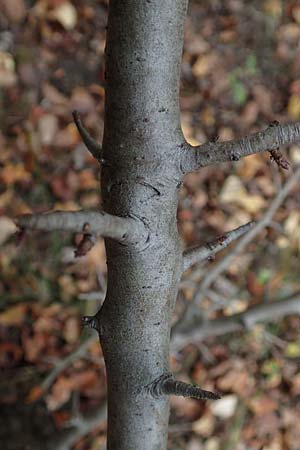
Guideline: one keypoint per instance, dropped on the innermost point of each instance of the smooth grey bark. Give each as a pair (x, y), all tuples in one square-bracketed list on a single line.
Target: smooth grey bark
[(143, 158), (141, 179)]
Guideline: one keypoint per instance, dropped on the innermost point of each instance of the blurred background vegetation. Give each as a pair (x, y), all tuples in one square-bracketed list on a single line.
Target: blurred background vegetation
[(240, 71)]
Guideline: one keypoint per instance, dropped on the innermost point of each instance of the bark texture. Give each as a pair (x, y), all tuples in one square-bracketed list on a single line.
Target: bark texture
[(143, 158), (141, 179)]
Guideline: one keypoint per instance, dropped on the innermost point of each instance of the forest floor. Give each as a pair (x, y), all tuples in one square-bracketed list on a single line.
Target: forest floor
[(240, 72)]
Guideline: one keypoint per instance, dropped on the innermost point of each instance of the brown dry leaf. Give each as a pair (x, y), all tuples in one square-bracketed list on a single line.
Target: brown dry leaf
[(296, 13), (65, 14), (7, 228), (234, 192), (82, 101), (54, 96), (84, 379), (33, 346), (205, 64), (67, 137), (186, 408), (67, 287), (87, 180), (6, 197), (7, 62), (205, 425), (295, 381), (267, 425), (35, 394), (225, 407), (7, 78), (47, 128), (212, 443), (10, 354), (45, 324), (237, 380), (292, 228), (295, 154), (60, 393), (71, 330), (294, 107), (289, 32), (188, 133), (12, 173), (13, 316), (264, 99), (248, 167), (96, 258), (273, 7), (14, 10), (263, 405)]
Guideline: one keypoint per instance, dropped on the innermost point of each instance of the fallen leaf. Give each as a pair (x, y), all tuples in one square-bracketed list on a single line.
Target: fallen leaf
[(13, 316), (262, 405), (35, 394), (14, 10), (294, 107), (205, 64), (234, 192), (205, 425), (7, 228), (47, 128), (65, 14), (225, 407)]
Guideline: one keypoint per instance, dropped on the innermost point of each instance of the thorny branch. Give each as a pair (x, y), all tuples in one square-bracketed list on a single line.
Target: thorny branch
[(210, 153), (201, 330), (166, 384), (198, 254), (92, 145), (125, 230)]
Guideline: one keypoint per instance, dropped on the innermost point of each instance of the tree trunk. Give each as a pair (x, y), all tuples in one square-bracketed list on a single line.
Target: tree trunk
[(144, 158), (140, 179)]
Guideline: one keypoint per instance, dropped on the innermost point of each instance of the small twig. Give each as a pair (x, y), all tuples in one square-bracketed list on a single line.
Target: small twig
[(123, 229), (91, 322), (92, 145), (66, 362), (193, 158), (167, 385), (202, 253), (79, 428), (245, 320)]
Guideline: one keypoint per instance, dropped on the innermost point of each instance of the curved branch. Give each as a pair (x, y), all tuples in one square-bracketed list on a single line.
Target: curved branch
[(270, 311), (91, 144), (198, 254), (192, 312), (125, 230), (167, 385), (79, 428), (217, 152), (68, 360)]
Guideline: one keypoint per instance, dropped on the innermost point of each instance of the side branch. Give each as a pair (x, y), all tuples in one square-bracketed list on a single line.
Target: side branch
[(198, 254), (78, 428), (217, 152), (92, 145), (167, 385), (245, 320), (125, 230)]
